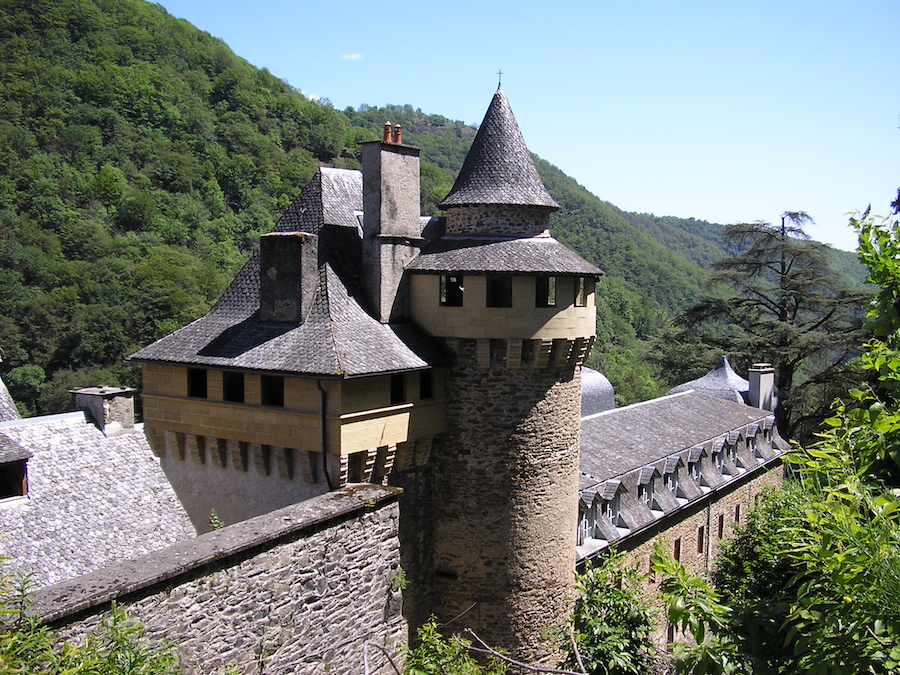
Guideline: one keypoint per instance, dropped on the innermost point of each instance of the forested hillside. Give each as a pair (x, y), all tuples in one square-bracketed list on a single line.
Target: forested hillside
[(140, 160)]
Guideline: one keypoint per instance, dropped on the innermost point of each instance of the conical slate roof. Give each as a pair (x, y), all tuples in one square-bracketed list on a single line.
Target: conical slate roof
[(499, 168)]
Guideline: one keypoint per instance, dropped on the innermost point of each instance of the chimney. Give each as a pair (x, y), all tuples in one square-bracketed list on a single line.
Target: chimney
[(111, 408), (762, 386), (392, 232), (288, 276)]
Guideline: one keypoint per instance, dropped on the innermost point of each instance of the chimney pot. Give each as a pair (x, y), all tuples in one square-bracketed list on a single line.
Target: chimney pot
[(762, 386), (386, 136), (398, 135)]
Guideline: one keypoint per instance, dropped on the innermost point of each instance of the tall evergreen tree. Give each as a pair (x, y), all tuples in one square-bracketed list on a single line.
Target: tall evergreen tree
[(776, 300)]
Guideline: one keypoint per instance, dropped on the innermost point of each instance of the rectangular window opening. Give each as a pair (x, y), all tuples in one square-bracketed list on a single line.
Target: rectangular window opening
[(426, 385), (233, 387), (13, 479), (451, 290), (398, 388), (545, 292), (580, 292), (676, 549), (721, 526), (272, 390), (701, 538), (499, 290), (196, 382)]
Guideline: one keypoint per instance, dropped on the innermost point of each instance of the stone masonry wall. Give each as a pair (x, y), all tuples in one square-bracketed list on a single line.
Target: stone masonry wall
[(299, 590), (498, 220), (505, 499)]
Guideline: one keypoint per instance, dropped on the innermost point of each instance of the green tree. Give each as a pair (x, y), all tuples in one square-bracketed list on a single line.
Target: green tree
[(776, 301), (611, 622)]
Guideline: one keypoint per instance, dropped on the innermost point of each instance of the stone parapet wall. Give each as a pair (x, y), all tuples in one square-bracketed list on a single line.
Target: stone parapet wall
[(298, 590)]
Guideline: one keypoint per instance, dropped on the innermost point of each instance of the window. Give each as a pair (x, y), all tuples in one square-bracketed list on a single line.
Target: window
[(499, 290), (645, 493), (233, 387), (701, 538), (737, 513), (13, 479), (694, 469), (580, 292), (272, 390), (196, 382), (721, 525), (719, 459), (398, 388), (611, 510), (672, 482), (676, 549), (545, 292), (426, 384), (451, 290), (752, 447)]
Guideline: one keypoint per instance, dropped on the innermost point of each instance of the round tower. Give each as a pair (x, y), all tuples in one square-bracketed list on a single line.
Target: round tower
[(516, 309)]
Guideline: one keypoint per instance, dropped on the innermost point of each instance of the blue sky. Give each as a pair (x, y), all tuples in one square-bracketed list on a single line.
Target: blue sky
[(718, 110)]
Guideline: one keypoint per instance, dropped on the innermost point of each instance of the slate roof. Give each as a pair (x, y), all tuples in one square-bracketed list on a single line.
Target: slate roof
[(336, 338), (8, 410), (499, 168), (526, 255), (597, 393), (92, 500), (617, 441), (721, 382)]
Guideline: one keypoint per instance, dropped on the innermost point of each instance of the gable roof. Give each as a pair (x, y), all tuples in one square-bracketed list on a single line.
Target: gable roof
[(92, 499), (617, 441), (499, 169), (336, 337)]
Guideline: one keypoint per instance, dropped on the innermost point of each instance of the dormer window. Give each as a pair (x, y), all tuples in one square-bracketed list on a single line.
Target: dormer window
[(645, 493), (694, 469), (499, 290), (719, 459), (611, 510), (451, 290), (671, 481), (753, 447), (545, 291)]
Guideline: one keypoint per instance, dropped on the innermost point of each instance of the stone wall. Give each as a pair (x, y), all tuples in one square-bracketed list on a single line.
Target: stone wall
[(504, 488), (501, 220), (298, 590)]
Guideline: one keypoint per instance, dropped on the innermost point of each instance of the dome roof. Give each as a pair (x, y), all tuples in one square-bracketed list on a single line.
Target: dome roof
[(721, 382), (597, 392)]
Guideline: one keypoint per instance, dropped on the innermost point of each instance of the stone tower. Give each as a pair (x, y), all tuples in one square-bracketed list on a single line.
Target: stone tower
[(516, 309)]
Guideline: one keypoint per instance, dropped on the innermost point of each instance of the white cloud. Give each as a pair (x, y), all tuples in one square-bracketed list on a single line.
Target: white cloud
[(351, 57)]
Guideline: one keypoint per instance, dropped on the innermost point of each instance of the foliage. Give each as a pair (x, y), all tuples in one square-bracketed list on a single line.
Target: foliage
[(436, 654), (116, 648), (775, 301), (694, 607), (611, 621)]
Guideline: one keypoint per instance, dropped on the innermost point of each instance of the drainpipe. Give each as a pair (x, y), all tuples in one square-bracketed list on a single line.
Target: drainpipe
[(324, 396)]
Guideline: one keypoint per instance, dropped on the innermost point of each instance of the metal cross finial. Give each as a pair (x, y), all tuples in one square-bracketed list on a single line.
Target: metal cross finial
[(499, 77)]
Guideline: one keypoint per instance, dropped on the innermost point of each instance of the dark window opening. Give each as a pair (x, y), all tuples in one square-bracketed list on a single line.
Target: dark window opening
[(499, 290), (451, 290), (426, 384), (545, 292), (196, 382), (580, 292), (233, 387), (272, 390), (737, 513), (398, 388), (676, 549), (721, 526), (13, 480), (701, 538)]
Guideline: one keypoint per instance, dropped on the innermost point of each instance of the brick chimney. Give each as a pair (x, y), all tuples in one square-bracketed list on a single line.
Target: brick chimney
[(391, 227), (111, 408), (761, 393), (288, 276)]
